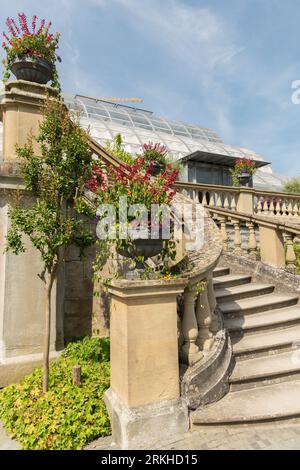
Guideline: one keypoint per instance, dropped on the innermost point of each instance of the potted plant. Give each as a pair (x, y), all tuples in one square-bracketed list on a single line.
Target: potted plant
[(155, 154), (135, 182), (30, 53), (244, 169)]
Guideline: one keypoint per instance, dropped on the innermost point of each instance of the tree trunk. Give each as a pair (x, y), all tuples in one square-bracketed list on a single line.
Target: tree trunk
[(48, 287)]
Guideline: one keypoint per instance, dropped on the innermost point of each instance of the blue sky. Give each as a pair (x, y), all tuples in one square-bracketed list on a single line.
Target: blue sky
[(224, 64)]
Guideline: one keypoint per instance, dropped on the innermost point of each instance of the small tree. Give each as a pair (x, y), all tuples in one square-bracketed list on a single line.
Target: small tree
[(55, 179), (292, 186)]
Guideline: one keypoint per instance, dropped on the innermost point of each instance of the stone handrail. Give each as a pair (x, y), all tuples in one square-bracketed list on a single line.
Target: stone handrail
[(276, 238)]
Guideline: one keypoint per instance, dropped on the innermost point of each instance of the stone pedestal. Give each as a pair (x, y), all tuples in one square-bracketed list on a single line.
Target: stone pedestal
[(271, 246), (245, 201), (21, 112), (143, 400)]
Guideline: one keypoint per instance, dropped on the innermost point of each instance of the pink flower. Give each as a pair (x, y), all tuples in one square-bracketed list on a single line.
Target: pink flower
[(33, 24)]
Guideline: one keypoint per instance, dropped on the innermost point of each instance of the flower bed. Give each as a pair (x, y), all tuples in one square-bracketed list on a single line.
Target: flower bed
[(68, 416)]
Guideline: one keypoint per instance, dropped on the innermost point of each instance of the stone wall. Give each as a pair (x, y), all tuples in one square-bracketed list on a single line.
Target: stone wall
[(86, 306)]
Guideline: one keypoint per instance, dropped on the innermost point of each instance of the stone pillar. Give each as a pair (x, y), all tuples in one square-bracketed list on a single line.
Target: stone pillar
[(245, 201), (21, 114), (22, 296), (271, 246), (143, 400)]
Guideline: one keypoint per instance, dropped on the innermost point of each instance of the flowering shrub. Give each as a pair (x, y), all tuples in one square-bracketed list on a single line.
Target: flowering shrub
[(242, 165), (155, 153), (135, 182), (34, 41)]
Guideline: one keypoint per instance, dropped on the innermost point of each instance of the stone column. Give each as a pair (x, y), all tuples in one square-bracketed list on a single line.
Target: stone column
[(22, 296), (143, 400)]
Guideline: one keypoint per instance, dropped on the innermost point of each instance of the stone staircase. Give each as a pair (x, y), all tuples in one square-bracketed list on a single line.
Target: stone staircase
[(264, 328)]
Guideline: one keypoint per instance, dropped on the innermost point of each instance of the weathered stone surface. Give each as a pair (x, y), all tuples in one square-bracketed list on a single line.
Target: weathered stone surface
[(207, 380), (143, 427)]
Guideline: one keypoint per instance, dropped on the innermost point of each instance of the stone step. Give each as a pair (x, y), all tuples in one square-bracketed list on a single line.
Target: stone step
[(220, 271), (263, 404), (266, 342), (230, 280), (261, 370), (242, 292), (269, 320), (258, 304)]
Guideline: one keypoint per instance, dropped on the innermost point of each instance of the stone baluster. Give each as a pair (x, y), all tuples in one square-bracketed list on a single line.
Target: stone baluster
[(272, 207), (204, 320), (252, 244), (224, 234), (259, 205), (190, 351), (290, 207), (211, 199), (233, 202), (226, 201), (219, 199), (214, 327), (290, 256), (237, 238), (295, 209)]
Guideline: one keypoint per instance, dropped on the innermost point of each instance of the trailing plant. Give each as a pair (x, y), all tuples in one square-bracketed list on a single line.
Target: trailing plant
[(34, 40), (55, 180), (68, 416), (242, 165)]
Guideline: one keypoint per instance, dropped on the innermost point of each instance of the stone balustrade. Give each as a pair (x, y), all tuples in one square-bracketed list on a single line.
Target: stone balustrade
[(274, 204), (268, 240), (244, 199)]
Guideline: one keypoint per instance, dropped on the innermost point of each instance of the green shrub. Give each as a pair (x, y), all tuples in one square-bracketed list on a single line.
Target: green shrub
[(68, 416), (292, 186)]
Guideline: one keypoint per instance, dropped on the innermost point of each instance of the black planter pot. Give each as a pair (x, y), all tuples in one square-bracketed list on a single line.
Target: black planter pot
[(156, 169), (32, 69), (147, 248), (244, 178)]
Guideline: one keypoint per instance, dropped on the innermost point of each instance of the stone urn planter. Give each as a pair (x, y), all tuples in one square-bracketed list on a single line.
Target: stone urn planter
[(146, 248), (244, 178), (156, 169), (32, 69)]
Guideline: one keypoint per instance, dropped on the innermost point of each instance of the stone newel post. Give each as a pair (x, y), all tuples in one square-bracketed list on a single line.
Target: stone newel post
[(143, 401)]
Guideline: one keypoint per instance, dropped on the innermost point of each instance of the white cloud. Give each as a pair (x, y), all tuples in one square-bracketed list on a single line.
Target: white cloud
[(193, 35)]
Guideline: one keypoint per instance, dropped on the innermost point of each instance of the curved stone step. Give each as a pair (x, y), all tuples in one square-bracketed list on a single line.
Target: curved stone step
[(220, 271), (230, 280), (257, 371), (265, 342), (271, 319), (258, 304), (244, 291), (269, 403)]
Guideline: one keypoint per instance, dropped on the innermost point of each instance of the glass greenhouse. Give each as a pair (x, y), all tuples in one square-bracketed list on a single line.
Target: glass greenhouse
[(206, 156)]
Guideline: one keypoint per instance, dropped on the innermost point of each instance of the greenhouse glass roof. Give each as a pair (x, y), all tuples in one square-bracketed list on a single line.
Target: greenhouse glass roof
[(105, 119)]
